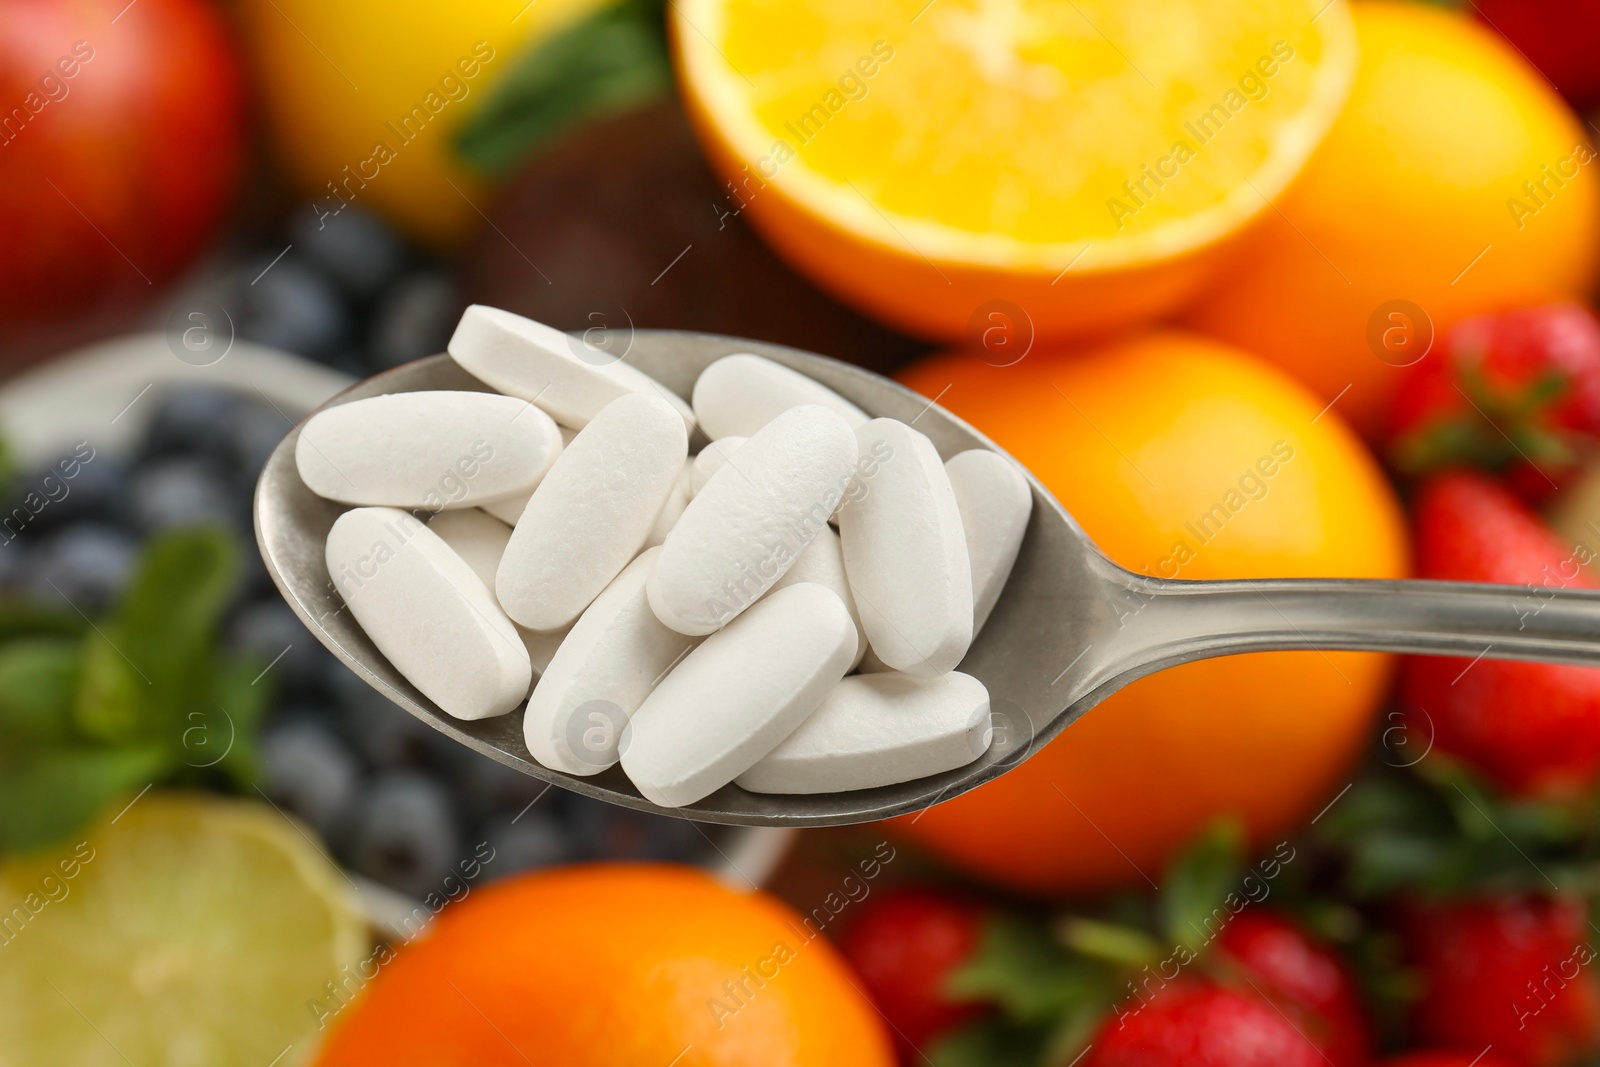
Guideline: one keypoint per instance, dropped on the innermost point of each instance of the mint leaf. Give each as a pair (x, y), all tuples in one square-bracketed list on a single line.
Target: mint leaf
[(38, 679), (1199, 882), (613, 60), (226, 738), (148, 665), (46, 794)]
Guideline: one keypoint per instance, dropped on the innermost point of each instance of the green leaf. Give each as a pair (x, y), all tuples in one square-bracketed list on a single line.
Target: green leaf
[(148, 665), (226, 736), (46, 794), (1020, 968), (613, 60), (989, 1042), (1199, 883), (38, 679), (1110, 942)]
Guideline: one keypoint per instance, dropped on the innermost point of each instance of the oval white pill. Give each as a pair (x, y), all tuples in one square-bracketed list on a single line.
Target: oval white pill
[(733, 699), (739, 394), (508, 509), (822, 563), (995, 502), (879, 729), (565, 376), (610, 661), (541, 647), (433, 450), (906, 554), (476, 536), (592, 512), (751, 521), (711, 459), (427, 612)]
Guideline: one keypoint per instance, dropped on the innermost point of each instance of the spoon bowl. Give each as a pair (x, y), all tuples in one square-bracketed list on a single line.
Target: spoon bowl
[(1070, 628)]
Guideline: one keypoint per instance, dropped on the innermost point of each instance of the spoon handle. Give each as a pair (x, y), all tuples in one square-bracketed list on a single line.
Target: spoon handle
[(1179, 621)]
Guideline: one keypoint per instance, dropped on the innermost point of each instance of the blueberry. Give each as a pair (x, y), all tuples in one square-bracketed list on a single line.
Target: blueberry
[(268, 632), (310, 772), (355, 247), (614, 833), (404, 833), (252, 437), (385, 734), (414, 318), (17, 568), (191, 420), (484, 787), (534, 840), (96, 491), (185, 491), (89, 564), (293, 307)]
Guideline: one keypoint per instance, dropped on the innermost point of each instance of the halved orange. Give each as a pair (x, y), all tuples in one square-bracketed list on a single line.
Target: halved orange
[(1084, 160)]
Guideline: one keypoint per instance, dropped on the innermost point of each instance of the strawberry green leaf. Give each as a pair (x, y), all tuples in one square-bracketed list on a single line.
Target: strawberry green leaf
[(1020, 968), (1199, 883), (989, 1043)]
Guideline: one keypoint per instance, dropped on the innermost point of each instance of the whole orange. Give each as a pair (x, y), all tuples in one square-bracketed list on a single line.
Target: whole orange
[(1141, 441), (611, 965), (1455, 182)]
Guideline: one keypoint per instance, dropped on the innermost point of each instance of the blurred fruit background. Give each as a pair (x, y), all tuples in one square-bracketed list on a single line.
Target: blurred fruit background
[(1255, 287)]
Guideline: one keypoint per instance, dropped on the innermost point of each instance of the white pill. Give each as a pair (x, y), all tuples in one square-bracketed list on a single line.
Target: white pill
[(711, 459), (429, 450), (879, 729), (612, 658), (739, 394), (751, 521), (822, 563), (508, 509), (427, 612), (564, 375), (671, 511), (906, 554), (995, 502), (476, 536), (592, 512), (733, 699)]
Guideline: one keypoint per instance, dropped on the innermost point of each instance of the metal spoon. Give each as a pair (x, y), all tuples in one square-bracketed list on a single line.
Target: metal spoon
[(1070, 629)]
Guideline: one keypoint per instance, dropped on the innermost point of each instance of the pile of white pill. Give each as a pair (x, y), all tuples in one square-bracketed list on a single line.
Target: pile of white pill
[(693, 617)]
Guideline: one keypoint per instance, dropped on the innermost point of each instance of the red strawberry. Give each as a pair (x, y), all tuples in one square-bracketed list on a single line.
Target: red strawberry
[(1560, 37), (1516, 392), (905, 946), (1533, 728), (1197, 1023), (1283, 963), (1447, 1059), (1508, 973)]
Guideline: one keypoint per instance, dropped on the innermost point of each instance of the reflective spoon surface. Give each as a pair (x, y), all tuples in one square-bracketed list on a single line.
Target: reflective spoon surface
[(1070, 629)]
